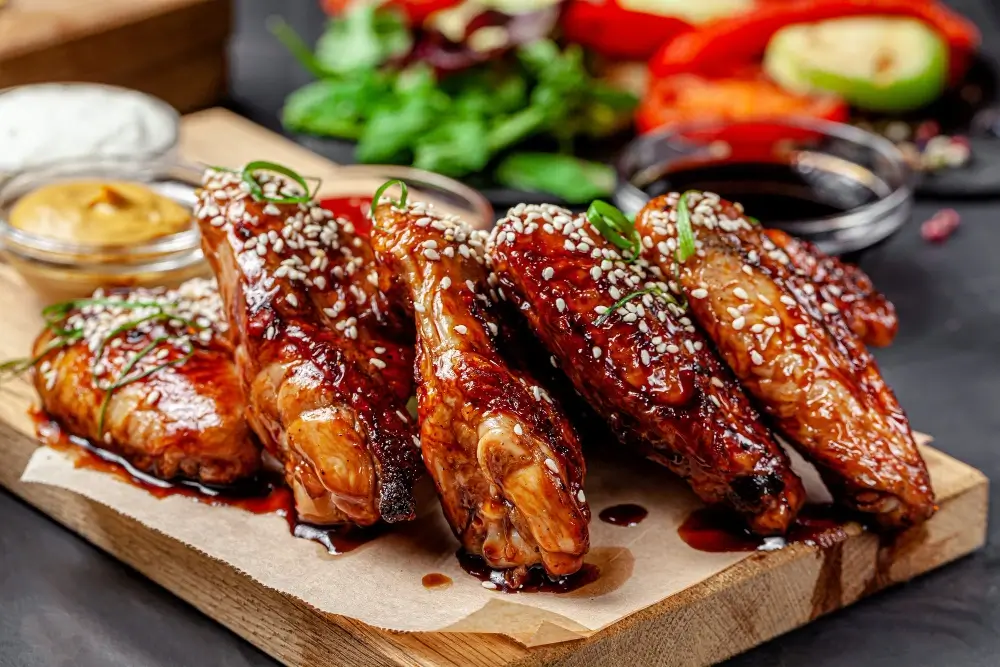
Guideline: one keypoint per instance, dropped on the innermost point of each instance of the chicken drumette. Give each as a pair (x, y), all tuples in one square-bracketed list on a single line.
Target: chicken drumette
[(149, 375), (326, 375), (506, 461), (792, 349), (640, 363)]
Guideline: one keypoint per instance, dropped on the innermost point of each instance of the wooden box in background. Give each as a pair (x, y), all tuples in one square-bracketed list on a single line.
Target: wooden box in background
[(173, 49)]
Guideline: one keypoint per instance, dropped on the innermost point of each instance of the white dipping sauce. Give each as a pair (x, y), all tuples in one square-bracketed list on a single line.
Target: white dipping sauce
[(51, 122)]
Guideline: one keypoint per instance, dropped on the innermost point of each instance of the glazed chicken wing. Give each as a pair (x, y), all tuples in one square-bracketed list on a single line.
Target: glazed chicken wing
[(148, 375), (792, 349), (638, 360), (506, 461), (869, 314), (326, 377)]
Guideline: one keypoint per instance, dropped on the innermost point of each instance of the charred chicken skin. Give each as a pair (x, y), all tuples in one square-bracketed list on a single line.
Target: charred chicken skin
[(638, 360), (792, 349), (326, 373), (505, 460), (148, 375), (869, 314)]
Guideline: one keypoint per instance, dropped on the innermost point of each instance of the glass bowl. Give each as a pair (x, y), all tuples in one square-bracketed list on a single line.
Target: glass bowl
[(446, 194), (58, 270), (70, 121), (838, 186)]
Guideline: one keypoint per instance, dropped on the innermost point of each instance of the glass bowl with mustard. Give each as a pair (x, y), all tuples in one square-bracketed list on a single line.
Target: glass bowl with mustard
[(71, 227)]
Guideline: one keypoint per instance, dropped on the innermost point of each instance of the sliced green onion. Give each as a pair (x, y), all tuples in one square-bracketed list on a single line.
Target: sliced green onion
[(685, 235), (625, 299), (614, 226), (403, 194), (257, 192), (753, 220)]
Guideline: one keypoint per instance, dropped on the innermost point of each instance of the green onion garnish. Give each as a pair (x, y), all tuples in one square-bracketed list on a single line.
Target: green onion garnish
[(614, 226), (403, 194), (685, 235), (257, 192)]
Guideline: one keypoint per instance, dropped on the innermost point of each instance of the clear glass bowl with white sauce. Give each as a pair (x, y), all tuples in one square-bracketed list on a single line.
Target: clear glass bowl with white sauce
[(58, 269)]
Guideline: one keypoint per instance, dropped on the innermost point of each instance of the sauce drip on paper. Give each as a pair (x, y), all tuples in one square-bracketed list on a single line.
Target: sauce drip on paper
[(262, 495), (627, 515), (716, 530), (535, 580)]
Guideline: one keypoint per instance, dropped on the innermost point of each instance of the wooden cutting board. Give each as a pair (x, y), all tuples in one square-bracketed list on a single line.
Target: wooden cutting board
[(759, 598), (174, 49)]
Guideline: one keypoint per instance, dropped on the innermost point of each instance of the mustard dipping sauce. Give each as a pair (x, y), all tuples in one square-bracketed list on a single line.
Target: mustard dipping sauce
[(99, 213)]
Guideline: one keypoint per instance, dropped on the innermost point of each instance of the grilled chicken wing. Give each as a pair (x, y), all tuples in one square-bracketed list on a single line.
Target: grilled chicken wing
[(506, 461), (148, 374), (327, 380), (640, 363), (869, 314), (791, 348)]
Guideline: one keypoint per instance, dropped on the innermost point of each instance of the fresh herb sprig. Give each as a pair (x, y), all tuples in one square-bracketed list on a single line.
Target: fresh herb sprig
[(56, 318), (249, 176), (655, 290)]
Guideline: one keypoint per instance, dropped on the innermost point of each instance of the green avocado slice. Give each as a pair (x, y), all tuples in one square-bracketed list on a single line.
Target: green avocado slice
[(879, 63)]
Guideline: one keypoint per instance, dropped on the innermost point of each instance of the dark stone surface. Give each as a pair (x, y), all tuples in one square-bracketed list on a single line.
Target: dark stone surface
[(63, 602)]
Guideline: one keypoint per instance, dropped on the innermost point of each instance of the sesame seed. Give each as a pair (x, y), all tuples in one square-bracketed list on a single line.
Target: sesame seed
[(672, 349), (739, 322), (772, 320), (552, 465), (756, 358), (580, 496), (597, 352), (595, 272), (717, 382), (802, 330), (699, 293), (560, 305), (741, 293), (431, 254), (292, 301), (829, 308), (757, 328), (461, 329), (377, 363), (518, 430), (490, 585), (645, 357), (548, 272)]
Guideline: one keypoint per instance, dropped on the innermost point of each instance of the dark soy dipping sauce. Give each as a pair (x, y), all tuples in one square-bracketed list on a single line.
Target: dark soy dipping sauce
[(261, 495), (773, 192), (627, 514), (534, 581), (718, 530), (436, 580)]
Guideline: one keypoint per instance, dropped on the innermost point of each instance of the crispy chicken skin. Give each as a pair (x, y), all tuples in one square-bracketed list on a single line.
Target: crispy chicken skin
[(506, 461), (793, 350), (185, 420), (327, 377), (869, 314), (643, 367)]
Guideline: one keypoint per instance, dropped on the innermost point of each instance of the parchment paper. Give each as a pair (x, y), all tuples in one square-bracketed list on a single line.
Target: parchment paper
[(639, 565)]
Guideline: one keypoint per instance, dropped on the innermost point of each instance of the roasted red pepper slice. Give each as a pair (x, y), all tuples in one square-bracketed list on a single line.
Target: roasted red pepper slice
[(747, 96), (612, 30), (742, 39)]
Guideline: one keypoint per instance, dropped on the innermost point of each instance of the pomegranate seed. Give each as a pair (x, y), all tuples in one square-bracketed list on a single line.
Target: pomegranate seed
[(942, 225)]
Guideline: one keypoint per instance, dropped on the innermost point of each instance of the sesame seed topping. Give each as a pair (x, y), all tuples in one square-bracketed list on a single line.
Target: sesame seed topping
[(377, 363), (772, 320), (580, 496), (739, 322), (552, 465), (802, 330), (597, 352), (699, 293), (829, 308), (461, 329), (756, 358), (560, 305), (548, 272), (518, 430), (741, 293)]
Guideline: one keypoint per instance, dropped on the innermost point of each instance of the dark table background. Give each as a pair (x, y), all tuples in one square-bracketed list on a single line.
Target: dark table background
[(63, 602)]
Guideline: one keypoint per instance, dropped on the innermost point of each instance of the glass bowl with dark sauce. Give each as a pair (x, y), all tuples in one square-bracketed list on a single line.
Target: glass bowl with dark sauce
[(838, 186)]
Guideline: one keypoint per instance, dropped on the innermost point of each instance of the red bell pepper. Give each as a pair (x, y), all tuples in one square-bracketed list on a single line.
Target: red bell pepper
[(714, 49), (614, 31), (416, 10), (747, 96)]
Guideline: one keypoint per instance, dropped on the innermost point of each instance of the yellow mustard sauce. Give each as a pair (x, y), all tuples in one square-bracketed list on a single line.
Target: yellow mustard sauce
[(99, 213)]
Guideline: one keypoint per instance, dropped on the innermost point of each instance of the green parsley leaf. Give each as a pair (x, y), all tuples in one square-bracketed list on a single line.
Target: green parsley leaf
[(574, 180)]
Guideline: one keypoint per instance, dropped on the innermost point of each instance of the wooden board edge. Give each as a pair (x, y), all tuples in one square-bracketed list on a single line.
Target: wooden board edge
[(701, 625)]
